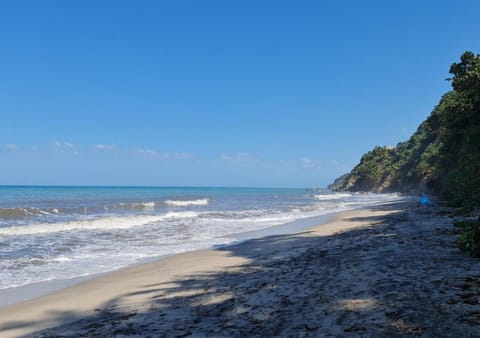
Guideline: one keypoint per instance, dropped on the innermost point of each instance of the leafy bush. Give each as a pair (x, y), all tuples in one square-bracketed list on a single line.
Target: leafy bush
[(469, 236)]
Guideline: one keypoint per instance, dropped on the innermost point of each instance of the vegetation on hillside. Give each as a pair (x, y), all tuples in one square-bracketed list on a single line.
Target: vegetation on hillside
[(442, 156)]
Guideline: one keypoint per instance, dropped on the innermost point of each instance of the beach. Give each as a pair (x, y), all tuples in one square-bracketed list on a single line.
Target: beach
[(239, 169), (387, 270), (53, 235)]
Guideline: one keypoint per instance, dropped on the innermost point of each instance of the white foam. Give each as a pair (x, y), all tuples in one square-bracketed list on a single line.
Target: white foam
[(145, 205), (184, 203), (147, 236), (330, 197), (93, 224)]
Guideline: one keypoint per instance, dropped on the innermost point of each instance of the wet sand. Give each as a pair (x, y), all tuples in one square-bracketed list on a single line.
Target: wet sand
[(389, 270)]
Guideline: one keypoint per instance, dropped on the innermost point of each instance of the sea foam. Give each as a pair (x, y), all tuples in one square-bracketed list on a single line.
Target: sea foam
[(144, 205), (93, 224), (14, 213), (185, 203), (330, 197), (51, 233)]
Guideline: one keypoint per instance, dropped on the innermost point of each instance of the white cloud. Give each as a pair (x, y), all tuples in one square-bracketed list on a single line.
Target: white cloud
[(302, 163), (147, 152), (64, 144), (240, 158), (104, 146), (11, 147), (312, 163), (64, 147), (306, 162), (164, 155), (16, 148)]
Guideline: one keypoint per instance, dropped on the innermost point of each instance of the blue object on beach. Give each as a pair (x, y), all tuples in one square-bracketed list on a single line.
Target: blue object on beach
[(424, 200)]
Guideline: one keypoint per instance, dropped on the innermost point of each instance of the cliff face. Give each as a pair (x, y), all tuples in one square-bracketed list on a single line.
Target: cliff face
[(441, 157)]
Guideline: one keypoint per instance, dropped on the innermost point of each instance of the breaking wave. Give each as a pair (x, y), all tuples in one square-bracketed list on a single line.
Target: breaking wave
[(93, 224), (185, 203), (144, 205), (14, 213), (330, 197)]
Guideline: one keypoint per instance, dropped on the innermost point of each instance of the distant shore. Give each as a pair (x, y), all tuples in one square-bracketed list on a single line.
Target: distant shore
[(392, 269)]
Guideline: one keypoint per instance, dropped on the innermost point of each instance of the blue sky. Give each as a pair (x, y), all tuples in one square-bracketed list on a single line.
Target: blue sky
[(217, 93)]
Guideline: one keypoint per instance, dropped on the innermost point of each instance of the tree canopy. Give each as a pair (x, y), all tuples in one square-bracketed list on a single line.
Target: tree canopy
[(442, 156)]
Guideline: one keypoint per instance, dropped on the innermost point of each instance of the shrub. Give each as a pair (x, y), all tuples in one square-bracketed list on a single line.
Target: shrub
[(469, 236)]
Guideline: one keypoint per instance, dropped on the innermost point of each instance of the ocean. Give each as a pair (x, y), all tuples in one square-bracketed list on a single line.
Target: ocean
[(58, 233)]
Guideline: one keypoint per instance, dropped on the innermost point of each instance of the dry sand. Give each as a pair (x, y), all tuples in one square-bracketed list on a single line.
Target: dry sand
[(391, 270)]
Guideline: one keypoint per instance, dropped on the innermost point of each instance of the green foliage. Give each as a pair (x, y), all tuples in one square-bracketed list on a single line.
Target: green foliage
[(466, 74), (442, 156), (373, 167), (469, 237), (339, 182)]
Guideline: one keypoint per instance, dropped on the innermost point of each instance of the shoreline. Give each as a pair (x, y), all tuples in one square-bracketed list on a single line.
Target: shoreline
[(24, 293), (43, 291), (368, 271)]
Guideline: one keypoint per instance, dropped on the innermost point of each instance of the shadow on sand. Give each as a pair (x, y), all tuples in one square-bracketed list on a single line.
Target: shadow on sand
[(373, 281)]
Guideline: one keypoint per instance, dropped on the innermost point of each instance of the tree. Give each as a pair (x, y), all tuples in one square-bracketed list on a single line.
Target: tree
[(466, 74)]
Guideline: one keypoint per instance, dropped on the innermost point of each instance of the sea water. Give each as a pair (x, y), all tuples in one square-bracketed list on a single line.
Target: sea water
[(57, 233)]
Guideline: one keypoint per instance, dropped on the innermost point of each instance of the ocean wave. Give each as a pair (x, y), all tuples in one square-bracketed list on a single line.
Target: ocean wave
[(15, 213), (330, 197), (144, 205), (185, 203), (93, 224), (234, 214)]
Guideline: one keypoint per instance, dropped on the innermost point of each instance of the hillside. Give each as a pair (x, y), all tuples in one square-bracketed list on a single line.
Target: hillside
[(442, 157)]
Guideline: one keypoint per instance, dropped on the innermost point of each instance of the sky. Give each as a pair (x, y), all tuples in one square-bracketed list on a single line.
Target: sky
[(217, 93)]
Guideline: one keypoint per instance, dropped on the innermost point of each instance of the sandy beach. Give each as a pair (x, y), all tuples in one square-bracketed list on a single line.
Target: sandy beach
[(389, 270)]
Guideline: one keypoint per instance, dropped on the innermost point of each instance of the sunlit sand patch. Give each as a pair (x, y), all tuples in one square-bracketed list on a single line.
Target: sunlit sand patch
[(385, 235), (215, 299), (357, 304), (184, 293)]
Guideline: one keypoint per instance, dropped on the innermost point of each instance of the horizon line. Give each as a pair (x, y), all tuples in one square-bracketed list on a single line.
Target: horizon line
[(150, 186)]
